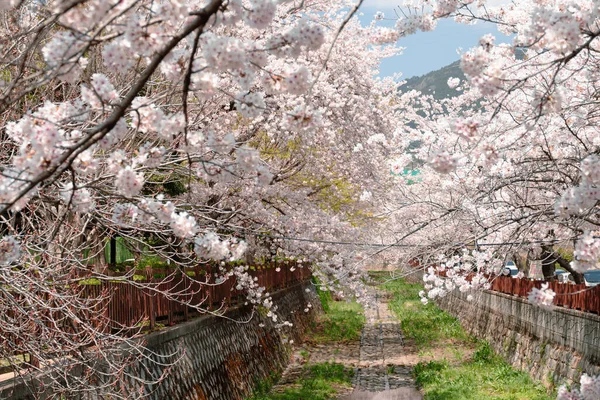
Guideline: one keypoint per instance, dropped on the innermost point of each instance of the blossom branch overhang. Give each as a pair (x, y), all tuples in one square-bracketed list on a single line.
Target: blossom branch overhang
[(97, 133)]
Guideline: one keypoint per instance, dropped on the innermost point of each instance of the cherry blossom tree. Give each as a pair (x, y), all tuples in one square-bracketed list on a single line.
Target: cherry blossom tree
[(511, 165), (219, 130), (515, 154), (197, 131)]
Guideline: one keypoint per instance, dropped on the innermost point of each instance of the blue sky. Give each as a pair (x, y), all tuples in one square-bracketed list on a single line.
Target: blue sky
[(427, 51)]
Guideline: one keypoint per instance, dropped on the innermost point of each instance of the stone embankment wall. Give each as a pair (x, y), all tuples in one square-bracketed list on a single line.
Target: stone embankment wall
[(220, 358), (555, 347)]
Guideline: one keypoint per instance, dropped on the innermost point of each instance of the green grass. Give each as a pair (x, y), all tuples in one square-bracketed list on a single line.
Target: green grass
[(319, 382), (482, 376), (487, 376), (426, 325), (379, 277), (342, 322), (324, 295)]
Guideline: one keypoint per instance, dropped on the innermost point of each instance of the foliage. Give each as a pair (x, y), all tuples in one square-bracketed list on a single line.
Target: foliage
[(484, 353), (565, 253), (90, 281), (428, 372), (331, 372), (261, 388)]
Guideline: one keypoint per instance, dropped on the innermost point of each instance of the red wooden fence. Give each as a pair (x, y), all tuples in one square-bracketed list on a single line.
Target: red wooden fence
[(577, 297), (121, 304), (131, 303)]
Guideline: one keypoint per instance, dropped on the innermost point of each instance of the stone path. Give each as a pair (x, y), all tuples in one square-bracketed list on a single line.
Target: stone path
[(380, 375), (381, 359)]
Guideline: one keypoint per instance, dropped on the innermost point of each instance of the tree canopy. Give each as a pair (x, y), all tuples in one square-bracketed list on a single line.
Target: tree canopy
[(220, 130)]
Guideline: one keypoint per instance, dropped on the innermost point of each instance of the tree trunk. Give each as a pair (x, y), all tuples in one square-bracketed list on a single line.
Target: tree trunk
[(548, 261), (521, 260), (549, 254)]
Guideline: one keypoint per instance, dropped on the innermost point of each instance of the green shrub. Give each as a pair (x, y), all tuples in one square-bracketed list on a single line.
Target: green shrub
[(152, 261), (426, 373), (484, 353)]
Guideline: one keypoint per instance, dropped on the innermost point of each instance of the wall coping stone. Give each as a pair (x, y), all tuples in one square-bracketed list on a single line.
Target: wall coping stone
[(559, 309)]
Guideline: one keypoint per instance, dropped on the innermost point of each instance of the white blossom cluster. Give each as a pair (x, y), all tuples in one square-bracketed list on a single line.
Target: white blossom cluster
[(451, 274), (183, 225), (587, 252), (453, 82), (409, 24), (466, 128), (101, 92), (443, 162), (484, 67), (542, 297), (255, 294), (81, 199), (445, 7), (559, 30), (8, 4), (580, 199), (210, 246), (589, 389)]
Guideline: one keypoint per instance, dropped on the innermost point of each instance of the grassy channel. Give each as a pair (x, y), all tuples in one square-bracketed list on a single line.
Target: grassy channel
[(482, 375), (320, 381), (426, 325)]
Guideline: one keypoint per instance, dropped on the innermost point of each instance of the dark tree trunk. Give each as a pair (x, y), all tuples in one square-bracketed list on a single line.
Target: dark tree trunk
[(548, 261), (549, 255)]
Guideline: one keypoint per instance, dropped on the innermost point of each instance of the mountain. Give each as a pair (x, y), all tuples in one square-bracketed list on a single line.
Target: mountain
[(435, 83)]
